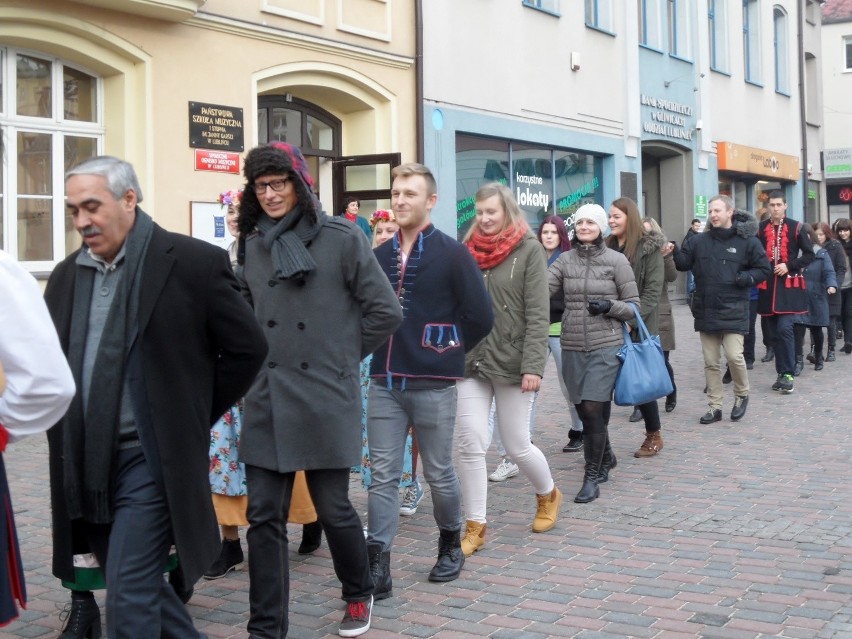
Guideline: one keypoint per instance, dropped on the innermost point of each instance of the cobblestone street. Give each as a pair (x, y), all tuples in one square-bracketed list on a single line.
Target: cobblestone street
[(734, 531)]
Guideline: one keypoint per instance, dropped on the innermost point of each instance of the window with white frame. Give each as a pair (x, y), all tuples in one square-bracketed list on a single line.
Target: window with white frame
[(847, 53), (599, 14), (751, 40), (781, 50), (50, 119), (678, 14), (650, 23), (551, 6), (718, 35)]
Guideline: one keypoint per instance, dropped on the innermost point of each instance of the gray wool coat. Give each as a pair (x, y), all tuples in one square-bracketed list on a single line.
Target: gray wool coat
[(303, 411)]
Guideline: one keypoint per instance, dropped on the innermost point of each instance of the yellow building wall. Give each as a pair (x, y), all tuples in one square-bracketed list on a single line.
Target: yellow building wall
[(228, 54)]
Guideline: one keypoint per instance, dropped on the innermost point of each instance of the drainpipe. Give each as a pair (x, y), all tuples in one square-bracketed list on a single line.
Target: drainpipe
[(800, 43), (418, 76)]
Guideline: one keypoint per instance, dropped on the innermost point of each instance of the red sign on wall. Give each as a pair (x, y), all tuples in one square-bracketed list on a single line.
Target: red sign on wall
[(218, 161)]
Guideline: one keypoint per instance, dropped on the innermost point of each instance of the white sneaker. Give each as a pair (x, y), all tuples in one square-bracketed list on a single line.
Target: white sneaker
[(505, 470)]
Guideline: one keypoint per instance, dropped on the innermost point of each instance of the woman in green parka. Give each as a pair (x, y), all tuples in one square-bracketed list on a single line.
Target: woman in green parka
[(506, 367), (642, 250)]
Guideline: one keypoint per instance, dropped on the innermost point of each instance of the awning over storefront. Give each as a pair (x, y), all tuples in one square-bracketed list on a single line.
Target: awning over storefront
[(746, 159)]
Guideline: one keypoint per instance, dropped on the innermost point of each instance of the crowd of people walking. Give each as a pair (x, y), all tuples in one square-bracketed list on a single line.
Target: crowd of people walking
[(217, 392)]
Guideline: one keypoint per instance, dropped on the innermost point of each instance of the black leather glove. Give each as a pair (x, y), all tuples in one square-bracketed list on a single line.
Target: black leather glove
[(744, 280), (599, 307)]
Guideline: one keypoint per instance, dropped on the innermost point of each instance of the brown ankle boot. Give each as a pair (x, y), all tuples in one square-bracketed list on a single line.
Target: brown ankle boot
[(652, 445)]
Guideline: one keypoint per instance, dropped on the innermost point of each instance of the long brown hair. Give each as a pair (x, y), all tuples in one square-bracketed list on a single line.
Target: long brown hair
[(633, 232)]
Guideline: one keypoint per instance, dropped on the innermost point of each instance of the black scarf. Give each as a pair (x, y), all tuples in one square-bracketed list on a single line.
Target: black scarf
[(91, 433), (286, 240)]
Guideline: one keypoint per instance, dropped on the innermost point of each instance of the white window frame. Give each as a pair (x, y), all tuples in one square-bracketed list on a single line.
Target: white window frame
[(751, 41), (717, 24), (679, 15), (846, 62), (781, 49), (57, 127), (550, 6), (651, 33), (599, 14)]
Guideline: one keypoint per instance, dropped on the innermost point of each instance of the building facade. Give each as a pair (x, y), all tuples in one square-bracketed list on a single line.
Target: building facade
[(182, 88), (837, 83), (665, 101)]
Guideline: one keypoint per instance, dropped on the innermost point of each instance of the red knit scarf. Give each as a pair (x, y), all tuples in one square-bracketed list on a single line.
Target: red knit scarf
[(350, 216), (490, 250)]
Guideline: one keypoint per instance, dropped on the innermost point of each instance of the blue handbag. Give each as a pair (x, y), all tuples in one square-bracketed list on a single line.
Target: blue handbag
[(642, 377)]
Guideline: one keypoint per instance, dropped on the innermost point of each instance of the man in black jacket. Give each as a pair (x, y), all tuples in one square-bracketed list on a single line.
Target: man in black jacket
[(156, 362), (727, 260)]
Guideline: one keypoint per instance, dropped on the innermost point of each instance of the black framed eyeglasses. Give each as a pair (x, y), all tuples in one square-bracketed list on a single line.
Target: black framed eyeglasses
[(275, 185)]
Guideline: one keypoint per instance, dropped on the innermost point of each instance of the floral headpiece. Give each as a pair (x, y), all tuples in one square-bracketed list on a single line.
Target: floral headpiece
[(232, 197), (381, 215)]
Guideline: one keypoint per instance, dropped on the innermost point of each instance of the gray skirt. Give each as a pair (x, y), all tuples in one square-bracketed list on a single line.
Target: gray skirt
[(590, 375)]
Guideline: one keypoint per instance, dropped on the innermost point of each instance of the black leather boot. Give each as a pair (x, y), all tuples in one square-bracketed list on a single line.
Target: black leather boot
[(380, 571), (770, 355), (800, 365), (594, 445), (450, 557), (230, 558), (84, 617), (607, 464), (811, 357), (311, 538), (818, 361)]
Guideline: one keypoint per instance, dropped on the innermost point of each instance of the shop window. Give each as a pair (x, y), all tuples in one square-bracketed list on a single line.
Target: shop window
[(544, 181), (847, 53), (718, 35), (780, 47), (50, 119), (751, 40), (650, 23), (599, 14), (678, 13), (479, 160)]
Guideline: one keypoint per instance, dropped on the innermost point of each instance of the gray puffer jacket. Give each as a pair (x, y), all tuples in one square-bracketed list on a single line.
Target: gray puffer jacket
[(593, 272)]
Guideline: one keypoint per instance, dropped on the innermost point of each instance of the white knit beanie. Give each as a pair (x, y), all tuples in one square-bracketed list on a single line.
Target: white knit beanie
[(596, 214)]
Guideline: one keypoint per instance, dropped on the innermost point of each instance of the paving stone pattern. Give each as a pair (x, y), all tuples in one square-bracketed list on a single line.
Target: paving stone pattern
[(734, 531)]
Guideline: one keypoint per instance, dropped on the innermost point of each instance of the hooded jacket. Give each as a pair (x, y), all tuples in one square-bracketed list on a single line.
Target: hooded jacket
[(726, 263)]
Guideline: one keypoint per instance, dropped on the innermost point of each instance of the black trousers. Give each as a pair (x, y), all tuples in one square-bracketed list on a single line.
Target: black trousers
[(269, 572)]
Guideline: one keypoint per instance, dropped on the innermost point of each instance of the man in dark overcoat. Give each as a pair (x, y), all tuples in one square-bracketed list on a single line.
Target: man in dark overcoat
[(324, 304), (783, 295), (160, 343)]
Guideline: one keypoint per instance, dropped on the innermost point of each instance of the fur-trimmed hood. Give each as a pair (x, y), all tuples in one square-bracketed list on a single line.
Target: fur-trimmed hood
[(651, 241), (745, 223)]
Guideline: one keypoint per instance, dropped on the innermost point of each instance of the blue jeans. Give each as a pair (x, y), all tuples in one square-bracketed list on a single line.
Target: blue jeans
[(432, 412)]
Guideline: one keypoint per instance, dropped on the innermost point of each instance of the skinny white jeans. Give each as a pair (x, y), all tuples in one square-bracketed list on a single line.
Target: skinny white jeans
[(473, 437)]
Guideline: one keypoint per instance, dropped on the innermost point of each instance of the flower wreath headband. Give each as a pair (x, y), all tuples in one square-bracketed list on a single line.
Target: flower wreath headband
[(381, 215), (232, 197)]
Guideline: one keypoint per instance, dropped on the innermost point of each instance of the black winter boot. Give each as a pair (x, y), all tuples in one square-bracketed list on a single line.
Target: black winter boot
[(230, 558), (609, 462), (84, 617), (380, 571), (311, 538), (770, 355), (594, 446), (811, 357), (800, 365), (818, 361), (450, 557), (831, 357)]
